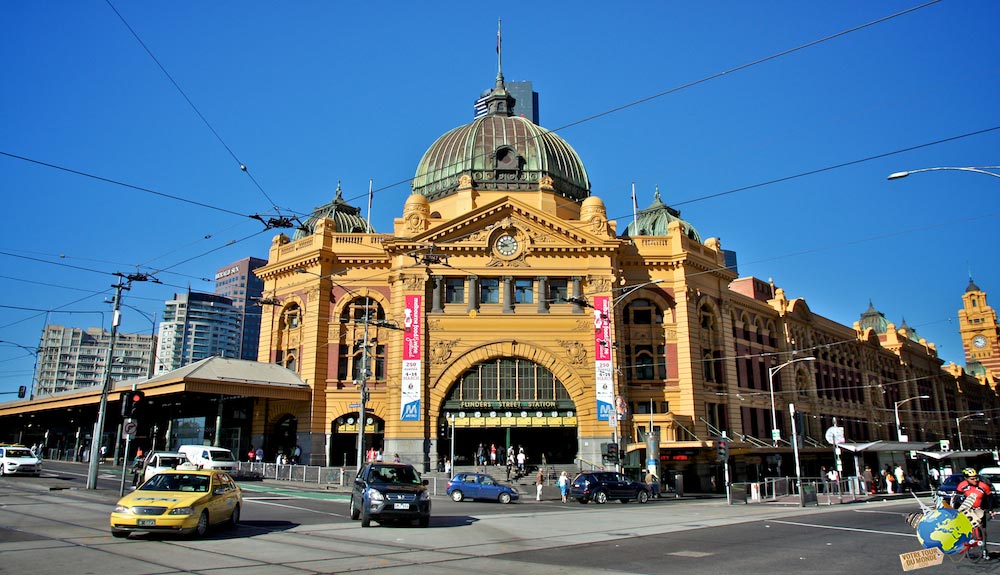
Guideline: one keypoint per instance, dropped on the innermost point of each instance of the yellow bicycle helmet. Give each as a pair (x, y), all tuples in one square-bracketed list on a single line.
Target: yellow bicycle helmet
[(969, 472)]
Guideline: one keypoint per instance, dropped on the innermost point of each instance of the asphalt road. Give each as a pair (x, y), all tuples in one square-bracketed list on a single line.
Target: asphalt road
[(50, 526)]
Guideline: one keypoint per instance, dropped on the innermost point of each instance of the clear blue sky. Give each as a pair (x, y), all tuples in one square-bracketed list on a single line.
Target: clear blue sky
[(309, 93)]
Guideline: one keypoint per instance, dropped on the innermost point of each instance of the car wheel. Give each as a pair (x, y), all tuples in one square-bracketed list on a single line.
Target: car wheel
[(202, 527), (505, 498), (355, 512), (457, 495), (366, 518), (600, 497), (234, 519), (643, 497), (424, 521), (119, 533)]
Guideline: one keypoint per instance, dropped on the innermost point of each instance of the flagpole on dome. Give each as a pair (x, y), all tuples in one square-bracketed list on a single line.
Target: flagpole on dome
[(371, 183)]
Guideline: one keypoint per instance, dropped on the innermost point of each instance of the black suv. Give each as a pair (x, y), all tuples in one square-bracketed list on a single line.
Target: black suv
[(390, 492), (599, 486)]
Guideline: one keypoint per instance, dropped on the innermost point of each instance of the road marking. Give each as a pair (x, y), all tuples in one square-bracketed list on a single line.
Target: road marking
[(694, 554), (855, 529), (262, 502)]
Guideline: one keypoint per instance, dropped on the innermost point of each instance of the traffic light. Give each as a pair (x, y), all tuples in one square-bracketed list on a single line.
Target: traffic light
[(22, 391), (135, 402), (722, 449), (125, 398), (609, 451)]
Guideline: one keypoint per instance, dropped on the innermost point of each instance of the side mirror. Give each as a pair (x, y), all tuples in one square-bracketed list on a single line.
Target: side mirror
[(425, 482)]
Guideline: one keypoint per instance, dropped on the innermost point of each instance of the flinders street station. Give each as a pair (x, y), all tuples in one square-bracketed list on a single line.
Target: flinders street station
[(505, 308)]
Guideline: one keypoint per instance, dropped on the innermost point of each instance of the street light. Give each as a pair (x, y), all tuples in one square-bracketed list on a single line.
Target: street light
[(977, 170), (899, 428), (958, 421), (775, 432)]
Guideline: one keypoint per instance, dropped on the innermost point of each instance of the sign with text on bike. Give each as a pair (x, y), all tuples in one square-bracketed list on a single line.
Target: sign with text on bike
[(835, 435), (920, 559)]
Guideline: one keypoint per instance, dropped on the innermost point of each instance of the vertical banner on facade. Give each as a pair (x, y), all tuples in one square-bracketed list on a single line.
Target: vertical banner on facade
[(602, 359), (413, 335)]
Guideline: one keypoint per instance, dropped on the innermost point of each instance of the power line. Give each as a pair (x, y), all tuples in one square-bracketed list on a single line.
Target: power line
[(204, 120)]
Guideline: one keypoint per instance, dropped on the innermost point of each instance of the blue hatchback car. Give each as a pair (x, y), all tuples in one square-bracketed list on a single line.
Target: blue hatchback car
[(480, 486)]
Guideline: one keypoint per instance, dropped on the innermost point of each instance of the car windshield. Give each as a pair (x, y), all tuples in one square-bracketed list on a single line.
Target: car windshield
[(177, 482), (394, 475), (222, 456), (169, 461)]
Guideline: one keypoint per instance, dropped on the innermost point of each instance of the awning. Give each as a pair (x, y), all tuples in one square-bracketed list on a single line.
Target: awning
[(881, 446), (952, 454)]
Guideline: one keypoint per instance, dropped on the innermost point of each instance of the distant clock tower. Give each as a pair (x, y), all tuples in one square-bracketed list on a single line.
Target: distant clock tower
[(977, 324)]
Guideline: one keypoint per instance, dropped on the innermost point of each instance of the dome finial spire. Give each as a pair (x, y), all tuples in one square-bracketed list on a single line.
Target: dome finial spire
[(499, 58)]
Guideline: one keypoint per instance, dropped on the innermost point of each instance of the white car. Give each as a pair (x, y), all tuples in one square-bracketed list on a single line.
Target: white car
[(19, 460), (158, 461)]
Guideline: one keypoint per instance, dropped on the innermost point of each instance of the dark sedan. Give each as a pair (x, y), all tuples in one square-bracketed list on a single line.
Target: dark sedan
[(600, 486)]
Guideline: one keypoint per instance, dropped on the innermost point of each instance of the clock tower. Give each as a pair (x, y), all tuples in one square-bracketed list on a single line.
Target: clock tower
[(977, 323)]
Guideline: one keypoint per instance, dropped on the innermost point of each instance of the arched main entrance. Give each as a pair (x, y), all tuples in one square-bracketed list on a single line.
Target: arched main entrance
[(344, 437), (509, 402)]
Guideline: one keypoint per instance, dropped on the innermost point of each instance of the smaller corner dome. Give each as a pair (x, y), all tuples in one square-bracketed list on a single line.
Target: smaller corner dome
[(874, 319), (654, 220), (347, 218), (593, 202), (416, 200)]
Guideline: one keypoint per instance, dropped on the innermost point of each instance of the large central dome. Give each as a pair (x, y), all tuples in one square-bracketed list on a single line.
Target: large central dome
[(501, 152)]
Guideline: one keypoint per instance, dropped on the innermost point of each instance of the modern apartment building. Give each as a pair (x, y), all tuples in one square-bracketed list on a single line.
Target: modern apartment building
[(74, 358), (196, 326)]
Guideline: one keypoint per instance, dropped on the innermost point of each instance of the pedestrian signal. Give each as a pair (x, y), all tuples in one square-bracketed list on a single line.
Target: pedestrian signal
[(22, 391)]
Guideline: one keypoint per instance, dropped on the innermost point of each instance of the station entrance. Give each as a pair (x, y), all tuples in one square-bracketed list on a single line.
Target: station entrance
[(508, 402)]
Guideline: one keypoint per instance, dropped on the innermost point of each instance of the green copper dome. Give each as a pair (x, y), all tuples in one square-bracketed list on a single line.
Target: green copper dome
[(501, 152), (653, 221), (347, 218), (874, 319)]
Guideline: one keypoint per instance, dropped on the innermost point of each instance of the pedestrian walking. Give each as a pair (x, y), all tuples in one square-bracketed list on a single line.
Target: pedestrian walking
[(539, 481), (563, 485), (521, 458)]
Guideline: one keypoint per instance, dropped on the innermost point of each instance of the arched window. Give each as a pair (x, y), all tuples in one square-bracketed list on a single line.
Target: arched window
[(361, 313), (290, 317), (507, 380)]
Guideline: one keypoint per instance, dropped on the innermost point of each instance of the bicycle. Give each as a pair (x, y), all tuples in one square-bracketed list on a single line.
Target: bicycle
[(976, 549)]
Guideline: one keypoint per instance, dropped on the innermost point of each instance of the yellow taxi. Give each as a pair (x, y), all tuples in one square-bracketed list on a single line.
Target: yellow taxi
[(185, 500)]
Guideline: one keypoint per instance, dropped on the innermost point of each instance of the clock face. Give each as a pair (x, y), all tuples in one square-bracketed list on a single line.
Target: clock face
[(506, 245), (979, 341)]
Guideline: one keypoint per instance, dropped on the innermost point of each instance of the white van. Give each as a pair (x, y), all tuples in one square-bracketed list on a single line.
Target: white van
[(157, 461), (208, 457)]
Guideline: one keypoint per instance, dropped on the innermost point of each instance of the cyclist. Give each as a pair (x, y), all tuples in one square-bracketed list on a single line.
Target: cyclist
[(977, 495)]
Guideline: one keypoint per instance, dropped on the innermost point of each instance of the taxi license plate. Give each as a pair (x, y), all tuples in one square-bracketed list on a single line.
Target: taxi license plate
[(146, 522), (401, 506)]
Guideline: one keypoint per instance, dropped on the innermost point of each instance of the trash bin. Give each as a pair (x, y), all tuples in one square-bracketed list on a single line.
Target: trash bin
[(807, 494), (678, 485), (738, 493)]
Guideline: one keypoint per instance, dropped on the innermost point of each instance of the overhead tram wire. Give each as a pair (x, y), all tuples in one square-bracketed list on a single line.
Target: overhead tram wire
[(204, 120), (694, 83)]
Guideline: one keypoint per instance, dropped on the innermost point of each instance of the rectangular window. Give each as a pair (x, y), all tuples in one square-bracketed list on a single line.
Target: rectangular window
[(524, 291), (489, 290), (558, 290), (489, 382), (454, 290)]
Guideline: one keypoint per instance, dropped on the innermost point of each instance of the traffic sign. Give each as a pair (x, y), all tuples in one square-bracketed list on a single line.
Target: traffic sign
[(834, 435), (130, 428)]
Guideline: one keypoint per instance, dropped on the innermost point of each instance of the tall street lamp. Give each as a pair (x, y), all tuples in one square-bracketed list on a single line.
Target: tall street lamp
[(899, 428), (958, 424), (775, 432), (977, 170)]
